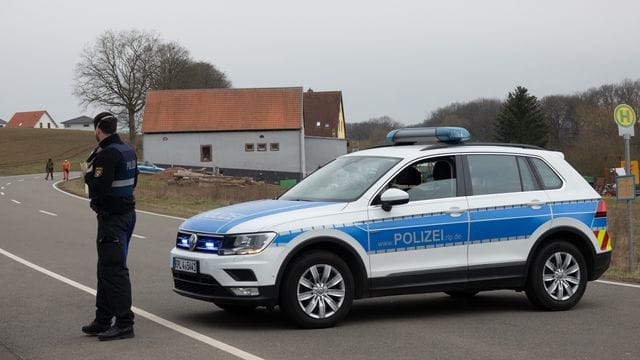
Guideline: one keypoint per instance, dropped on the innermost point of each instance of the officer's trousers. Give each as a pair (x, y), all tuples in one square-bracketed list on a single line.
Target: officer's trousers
[(113, 298)]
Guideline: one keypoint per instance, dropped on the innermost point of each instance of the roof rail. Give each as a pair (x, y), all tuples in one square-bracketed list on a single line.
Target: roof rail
[(523, 146)]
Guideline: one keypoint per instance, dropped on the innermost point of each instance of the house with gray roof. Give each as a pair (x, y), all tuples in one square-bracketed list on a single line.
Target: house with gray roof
[(2, 123), (80, 123)]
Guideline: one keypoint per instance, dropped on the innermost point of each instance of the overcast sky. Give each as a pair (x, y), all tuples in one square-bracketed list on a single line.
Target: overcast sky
[(398, 58)]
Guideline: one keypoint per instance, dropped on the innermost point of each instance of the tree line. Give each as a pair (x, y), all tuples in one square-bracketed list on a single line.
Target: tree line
[(580, 125)]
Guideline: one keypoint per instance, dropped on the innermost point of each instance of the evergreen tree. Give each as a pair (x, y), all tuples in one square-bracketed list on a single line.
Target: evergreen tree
[(521, 120)]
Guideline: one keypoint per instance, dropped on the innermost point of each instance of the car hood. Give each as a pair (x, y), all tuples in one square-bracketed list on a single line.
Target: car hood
[(262, 213)]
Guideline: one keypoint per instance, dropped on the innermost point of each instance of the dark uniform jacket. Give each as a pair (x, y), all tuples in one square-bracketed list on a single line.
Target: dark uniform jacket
[(114, 176)]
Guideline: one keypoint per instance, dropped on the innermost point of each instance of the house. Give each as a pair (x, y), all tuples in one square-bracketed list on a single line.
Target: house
[(2, 123), (80, 123), (260, 133), (32, 119)]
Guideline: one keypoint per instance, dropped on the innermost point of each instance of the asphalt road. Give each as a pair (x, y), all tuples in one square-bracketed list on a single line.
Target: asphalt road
[(47, 273)]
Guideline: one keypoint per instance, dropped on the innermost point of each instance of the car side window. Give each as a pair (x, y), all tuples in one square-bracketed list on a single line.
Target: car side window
[(433, 178), (550, 180), (493, 174)]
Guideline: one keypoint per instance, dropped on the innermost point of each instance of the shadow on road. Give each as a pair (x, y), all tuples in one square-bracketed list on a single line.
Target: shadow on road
[(423, 307)]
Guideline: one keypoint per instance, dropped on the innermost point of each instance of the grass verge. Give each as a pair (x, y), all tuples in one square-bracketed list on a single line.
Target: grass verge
[(155, 194)]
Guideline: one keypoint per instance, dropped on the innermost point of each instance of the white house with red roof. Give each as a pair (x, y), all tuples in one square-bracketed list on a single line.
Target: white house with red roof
[(244, 132), (32, 119)]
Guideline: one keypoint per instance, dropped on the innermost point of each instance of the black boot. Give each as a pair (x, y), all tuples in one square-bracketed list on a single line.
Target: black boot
[(95, 328), (116, 333)]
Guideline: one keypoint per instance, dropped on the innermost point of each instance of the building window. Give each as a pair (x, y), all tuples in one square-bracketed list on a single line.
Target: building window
[(206, 153), (249, 147), (85, 125), (318, 124), (274, 146), (40, 125), (326, 125), (48, 125), (262, 147)]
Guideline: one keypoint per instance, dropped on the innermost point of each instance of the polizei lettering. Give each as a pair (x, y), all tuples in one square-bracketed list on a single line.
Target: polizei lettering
[(418, 237)]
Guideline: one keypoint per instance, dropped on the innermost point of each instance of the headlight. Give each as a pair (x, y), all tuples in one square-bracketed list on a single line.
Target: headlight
[(244, 244)]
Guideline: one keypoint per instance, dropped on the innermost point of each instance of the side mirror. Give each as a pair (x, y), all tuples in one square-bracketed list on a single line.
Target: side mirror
[(392, 197)]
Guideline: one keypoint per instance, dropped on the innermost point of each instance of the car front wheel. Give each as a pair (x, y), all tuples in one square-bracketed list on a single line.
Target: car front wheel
[(317, 291)]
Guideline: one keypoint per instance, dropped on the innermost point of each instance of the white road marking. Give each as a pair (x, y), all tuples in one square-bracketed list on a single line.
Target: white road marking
[(48, 213), (1, 193), (16, 201), (140, 312), (618, 283), (1, 187), (138, 211), (8, 184), (138, 236)]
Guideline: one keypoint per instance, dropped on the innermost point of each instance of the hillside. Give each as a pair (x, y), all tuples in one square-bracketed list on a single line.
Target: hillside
[(25, 151)]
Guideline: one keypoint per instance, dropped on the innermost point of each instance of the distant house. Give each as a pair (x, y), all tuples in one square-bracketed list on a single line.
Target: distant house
[(80, 123), (3, 123), (32, 119), (262, 133)]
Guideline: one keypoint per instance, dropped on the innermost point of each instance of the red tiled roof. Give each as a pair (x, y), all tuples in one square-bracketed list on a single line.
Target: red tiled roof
[(27, 119), (222, 110), (322, 107)]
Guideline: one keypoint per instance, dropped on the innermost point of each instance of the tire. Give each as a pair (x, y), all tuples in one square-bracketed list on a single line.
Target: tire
[(461, 294), (235, 308), (557, 277), (317, 290)]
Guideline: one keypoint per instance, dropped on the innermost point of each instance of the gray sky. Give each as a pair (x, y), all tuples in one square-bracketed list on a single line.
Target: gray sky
[(398, 58)]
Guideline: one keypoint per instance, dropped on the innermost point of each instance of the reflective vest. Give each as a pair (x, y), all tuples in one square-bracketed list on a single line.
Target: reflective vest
[(125, 172)]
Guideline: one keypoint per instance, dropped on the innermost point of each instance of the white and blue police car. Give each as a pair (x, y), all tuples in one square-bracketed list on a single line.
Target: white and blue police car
[(450, 217)]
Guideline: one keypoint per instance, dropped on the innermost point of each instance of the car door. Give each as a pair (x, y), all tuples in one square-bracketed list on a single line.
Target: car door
[(421, 243), (506, 206)]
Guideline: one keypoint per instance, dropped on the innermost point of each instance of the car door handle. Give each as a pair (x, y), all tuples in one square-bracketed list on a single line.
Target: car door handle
[(456, 211), (536, 204)]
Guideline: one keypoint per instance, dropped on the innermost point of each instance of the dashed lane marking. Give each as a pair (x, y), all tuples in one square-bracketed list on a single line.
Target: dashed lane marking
[(16, 201), (48, 213), (8, 184), (1, 193), (139, 236), (143, 313)]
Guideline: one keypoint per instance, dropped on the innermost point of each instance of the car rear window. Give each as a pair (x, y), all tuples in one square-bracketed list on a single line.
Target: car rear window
[(550, 180)]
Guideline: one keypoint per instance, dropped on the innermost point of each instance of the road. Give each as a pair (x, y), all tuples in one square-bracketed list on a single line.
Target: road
[(47, 273)]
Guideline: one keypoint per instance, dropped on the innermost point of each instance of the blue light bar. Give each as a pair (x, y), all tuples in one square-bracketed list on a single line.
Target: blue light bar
[(449, 135)]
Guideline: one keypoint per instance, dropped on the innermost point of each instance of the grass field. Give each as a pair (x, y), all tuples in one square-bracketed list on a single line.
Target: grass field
[(25, 151), (153, 193)]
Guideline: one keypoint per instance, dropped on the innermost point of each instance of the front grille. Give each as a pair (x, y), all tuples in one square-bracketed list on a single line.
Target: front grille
[(206, 242), (197, 284)]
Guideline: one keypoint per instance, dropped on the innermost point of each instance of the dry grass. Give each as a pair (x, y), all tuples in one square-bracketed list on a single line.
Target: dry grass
[(25, 151), (618, 229), (155, 194)]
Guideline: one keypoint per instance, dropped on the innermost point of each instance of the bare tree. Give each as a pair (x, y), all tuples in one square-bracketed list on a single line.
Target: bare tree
[(117, 71), (173, 59)]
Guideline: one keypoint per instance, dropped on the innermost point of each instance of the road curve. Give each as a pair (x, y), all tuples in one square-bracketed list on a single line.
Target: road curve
[(41, 313)]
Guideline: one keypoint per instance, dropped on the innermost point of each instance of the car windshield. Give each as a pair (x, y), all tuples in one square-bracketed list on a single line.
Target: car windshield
[(342, 180)]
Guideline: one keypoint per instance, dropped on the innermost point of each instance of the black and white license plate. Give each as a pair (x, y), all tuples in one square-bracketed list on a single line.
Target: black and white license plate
[(186, 265)]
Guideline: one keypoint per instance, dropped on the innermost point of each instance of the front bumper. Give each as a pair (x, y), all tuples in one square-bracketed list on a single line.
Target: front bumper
[(601, 264), (204, 287)]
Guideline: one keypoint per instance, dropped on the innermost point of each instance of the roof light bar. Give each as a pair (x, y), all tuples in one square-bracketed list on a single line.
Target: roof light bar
[(449, 135)]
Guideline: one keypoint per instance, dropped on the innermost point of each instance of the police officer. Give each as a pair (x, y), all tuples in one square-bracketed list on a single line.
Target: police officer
[(111, 176)]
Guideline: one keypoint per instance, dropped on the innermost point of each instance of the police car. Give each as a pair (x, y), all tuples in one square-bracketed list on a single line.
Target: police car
[(449, 216)]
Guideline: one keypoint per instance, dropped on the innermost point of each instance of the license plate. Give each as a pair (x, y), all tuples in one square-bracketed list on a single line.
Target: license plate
[(185, 265)]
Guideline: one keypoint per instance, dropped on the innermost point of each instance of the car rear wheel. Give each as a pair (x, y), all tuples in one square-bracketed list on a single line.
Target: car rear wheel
[(317, 290), (557, 277)]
